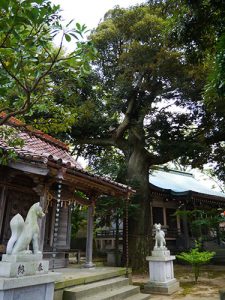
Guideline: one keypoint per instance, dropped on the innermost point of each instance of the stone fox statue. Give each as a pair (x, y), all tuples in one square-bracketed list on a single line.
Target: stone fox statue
[(25, 232), (160, 241)]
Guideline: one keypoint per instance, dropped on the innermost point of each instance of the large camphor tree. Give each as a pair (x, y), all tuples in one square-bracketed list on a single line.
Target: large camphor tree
[(142, 101)]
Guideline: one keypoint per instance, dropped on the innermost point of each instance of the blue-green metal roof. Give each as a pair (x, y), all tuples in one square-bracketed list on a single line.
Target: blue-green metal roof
[(180, 183)]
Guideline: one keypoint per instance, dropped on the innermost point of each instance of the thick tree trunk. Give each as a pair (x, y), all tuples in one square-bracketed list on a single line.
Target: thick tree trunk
[(140, 220)]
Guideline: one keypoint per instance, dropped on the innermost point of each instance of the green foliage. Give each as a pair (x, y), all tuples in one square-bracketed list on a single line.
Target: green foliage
[(110, 163), (202, 222), (9, 137), (196, 258), (78, 219), (215, 88), (139, 104), (28, 57), (138, 75), (199, 29), (108, 209), (78, 215)]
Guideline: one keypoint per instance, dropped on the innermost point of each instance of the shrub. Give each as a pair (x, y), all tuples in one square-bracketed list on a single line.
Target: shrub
[(196, 258)]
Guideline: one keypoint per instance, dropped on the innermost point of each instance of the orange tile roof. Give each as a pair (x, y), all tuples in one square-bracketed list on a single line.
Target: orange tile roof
[(14, 121), (37, 144), (41, 147)]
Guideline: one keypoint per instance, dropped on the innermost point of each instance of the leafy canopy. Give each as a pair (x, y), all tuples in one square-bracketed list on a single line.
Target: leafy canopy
[(28, 57), (200, 28), (139, 75)]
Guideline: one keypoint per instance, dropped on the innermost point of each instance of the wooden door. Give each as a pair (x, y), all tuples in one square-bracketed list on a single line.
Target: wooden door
[(16, 202)]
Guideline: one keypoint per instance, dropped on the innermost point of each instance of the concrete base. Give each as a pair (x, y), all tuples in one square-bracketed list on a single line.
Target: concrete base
[(161, 253), (23, 265), (38, 287), (88, 265), (161, 273), (166, 288)]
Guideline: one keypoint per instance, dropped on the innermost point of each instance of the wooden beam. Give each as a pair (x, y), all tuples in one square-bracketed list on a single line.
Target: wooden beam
[(29, 168), (24, 189), (85, 184), (82, 200)]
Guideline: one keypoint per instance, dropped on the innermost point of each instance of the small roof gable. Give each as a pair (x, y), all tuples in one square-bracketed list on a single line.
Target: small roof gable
[(32, 131), (180, 183), (42, 148)]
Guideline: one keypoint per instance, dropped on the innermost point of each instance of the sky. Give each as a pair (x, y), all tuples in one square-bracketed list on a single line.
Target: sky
[(90, 12)]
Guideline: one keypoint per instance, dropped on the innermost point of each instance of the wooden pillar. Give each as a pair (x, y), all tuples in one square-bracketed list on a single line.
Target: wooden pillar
[(101, 244), (178, 225), (127, 233), (2, 207), (186, 234), (89, 240), (68, 239), (164, 216)]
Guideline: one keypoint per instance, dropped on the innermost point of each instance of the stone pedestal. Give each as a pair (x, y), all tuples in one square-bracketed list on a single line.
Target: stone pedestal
[(25, 277), (38, 287), (114, 258), (161, 273), (17, 265)]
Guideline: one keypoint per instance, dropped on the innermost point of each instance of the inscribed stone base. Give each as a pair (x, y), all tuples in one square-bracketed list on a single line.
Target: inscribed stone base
[(161, 273), (20, 269), (166, 288), (38, 287)]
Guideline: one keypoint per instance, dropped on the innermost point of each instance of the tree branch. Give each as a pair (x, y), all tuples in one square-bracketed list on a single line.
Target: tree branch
[(12, 114), (13, 76), (126, 121), (50, 67), (21, 111), (95, 141)]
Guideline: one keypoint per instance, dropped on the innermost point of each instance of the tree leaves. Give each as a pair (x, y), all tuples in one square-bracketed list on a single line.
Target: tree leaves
[(196, 258), (28, 56)]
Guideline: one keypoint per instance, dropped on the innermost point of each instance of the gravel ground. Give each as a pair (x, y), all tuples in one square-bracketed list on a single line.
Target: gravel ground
[(211, 280)]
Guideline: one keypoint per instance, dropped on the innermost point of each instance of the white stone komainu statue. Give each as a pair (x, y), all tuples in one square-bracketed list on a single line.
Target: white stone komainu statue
[(23, 233), (24, 275), (160, 242), (161, 272)]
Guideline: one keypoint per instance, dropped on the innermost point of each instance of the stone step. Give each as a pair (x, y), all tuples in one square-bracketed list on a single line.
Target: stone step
[(139, 296), (119, 294), (91, 289)]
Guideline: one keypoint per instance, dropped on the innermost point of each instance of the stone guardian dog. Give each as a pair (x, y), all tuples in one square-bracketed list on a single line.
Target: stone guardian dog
[(160, 242), (23, 233)]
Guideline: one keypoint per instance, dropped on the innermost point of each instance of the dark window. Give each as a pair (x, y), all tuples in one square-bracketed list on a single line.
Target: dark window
[(158, 215), (171, 218)]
